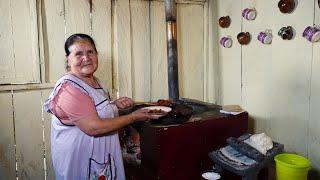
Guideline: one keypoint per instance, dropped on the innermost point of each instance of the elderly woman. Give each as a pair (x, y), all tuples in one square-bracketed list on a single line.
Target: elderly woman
[(84, 138)]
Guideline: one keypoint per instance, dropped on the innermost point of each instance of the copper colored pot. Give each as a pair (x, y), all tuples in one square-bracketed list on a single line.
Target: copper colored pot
[(286, 6), (244, 38), (224, 21)]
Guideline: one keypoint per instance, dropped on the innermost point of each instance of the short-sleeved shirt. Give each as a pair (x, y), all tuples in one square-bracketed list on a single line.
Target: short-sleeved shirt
[(71, 104)]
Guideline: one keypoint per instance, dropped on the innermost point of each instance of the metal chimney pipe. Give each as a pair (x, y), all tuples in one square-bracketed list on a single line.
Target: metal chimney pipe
[(172, 53)]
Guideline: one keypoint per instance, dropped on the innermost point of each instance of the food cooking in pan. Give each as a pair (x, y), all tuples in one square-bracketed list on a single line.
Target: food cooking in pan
[(156, 111)]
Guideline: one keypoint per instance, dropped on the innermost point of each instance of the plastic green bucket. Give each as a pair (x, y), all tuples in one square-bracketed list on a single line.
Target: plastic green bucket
[(291, 167)]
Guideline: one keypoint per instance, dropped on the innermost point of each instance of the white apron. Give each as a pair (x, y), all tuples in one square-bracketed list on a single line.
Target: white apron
[(77, 156)]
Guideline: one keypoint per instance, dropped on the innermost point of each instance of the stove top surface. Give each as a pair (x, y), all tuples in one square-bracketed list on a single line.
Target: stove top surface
[(186, 110)]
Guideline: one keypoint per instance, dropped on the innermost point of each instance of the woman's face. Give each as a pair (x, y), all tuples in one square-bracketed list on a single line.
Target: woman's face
[(83, 59)]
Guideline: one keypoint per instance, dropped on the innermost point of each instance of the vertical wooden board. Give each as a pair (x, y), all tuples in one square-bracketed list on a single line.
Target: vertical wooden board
[(256, 65), (101, 32), (190, 50), (314, 123), (122, 51), (230, 58), (28, 132), (290, 87), (7, 58), (25, 37), (77, 17), (206, 39), (159, 64), (140, 21), (211, 89), (54, 36), (7, 148), (47, 134)]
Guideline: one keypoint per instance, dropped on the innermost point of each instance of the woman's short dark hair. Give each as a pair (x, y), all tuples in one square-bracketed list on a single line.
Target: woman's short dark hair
[(76, 37)]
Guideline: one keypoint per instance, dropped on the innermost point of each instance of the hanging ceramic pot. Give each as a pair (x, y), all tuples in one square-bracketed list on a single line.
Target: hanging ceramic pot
[(249, 14), (224, 21), (244, 38), (265, 37), (286, 33), (226, 42), (311, 33), (286, 6)]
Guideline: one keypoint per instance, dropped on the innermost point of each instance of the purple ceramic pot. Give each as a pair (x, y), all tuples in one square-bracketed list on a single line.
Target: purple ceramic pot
[(226, 42), (312, 34), (265, 37), (249, 14)]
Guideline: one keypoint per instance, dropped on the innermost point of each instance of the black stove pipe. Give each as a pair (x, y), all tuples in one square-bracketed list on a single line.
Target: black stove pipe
[(172, 53)]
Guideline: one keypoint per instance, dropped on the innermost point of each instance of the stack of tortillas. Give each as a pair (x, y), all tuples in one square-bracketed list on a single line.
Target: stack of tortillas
[(232, 108)]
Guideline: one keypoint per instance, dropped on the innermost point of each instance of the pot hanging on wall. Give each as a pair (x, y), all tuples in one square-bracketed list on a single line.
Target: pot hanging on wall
[(224, 21), (286, 6), (265, 37), (249, 13), (286, 33), (311, 33), (226, 42), (244, 38)]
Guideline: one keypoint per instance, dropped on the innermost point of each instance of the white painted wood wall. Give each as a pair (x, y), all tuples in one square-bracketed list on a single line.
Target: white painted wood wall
[(277, 84)]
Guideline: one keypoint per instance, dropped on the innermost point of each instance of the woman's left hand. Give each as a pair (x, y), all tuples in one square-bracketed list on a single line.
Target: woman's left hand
[(124, 102)]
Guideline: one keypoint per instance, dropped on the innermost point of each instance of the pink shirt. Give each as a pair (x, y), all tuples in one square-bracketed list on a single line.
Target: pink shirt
[(71, 104)]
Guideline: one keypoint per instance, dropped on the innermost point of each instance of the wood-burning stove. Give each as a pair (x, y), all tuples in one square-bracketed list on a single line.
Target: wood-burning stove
[(180, 151)]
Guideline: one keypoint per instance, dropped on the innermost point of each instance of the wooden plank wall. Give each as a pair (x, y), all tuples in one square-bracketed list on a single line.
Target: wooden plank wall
[(25, 41), (102, 31), (158, 51), (211, 54), (229, 61), (28, 134), (19, 60), (141, 51), (131, 42), (278, 83), (7, 142), (122, 48), (25, 134), (63, 18), (256, 65), (53, 26), (141, 66), (313, 141), (47, 143), (7, 69), (190, 50)]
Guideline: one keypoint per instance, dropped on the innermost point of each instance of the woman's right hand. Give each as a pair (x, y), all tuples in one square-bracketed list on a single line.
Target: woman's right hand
[(141, 115)]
